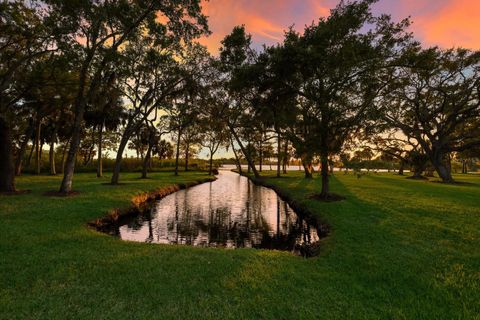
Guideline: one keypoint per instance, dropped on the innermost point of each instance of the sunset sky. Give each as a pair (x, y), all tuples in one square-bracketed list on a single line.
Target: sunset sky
[(445, 23)]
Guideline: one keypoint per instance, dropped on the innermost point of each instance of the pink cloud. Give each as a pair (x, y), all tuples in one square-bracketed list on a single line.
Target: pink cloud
[(445, 23), (266, 20), (456, 24)]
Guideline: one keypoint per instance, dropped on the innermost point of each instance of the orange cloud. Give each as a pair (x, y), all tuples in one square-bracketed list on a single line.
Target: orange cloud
[(266, 20), (456, 24), (445, 23)]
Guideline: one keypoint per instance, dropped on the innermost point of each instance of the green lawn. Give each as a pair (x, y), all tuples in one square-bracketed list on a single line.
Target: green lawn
[(399, 249)]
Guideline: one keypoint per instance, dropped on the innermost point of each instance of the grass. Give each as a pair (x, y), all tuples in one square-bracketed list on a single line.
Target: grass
[(399, 249)]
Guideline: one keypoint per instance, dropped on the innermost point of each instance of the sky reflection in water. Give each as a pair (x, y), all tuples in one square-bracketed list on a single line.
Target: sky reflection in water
[(230, 212)]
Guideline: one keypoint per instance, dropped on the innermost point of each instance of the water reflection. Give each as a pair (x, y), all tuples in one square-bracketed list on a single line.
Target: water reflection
[(230, 212)]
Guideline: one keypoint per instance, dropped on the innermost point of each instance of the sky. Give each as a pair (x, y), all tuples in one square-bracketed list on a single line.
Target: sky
[(446, 23)]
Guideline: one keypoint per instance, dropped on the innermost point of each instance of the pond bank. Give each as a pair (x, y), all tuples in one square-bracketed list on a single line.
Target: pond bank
[(230, 213), (140, 203), (299, 207)]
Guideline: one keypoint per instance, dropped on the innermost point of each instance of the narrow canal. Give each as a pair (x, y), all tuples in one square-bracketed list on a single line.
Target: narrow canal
[(231, 212)]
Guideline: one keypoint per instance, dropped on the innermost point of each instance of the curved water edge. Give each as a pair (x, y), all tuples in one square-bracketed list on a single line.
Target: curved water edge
[(232, 212), (300, 209), (139, 205)]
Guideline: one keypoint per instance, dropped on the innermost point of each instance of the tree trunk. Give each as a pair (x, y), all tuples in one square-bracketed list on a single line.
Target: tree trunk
[(210, 165), (89, 155), (7, 168), (325, 179), (146, 160), (64, 153), (285, 157), (239, 165), (118, 159), (21, 151), (51, 156), (38, 151), (417, 172), (99, 157), (260, 160), (186, 156), (429, 172), (307, 167), (30, 156), (438, 161), (402, 167), (279, 154), (177, 156), (244, 151), (66, 185)]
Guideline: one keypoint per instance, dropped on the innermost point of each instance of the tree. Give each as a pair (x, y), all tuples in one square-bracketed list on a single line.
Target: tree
[(93, 33), (335, 67), (152, 137), (468, 158), (163, 150), (235, 54), (215, 136), (435, 101), (154, 82), (270, 98), (190, 140), (24, 38), (106, 112)]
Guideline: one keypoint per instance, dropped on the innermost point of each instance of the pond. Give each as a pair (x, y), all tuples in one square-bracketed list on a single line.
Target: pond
[(231, 212)]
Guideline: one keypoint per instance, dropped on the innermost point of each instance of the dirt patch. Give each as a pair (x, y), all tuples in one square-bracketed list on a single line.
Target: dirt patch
[(62, 194), (15, 193)]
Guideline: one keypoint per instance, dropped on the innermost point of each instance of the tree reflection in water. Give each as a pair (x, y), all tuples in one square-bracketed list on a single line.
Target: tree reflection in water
[(230, 212)]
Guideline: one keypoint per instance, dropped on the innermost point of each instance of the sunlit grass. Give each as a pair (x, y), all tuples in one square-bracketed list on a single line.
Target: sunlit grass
[(398, 249)]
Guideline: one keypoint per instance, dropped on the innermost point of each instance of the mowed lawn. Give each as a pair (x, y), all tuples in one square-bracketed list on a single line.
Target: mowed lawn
[(399, 249)]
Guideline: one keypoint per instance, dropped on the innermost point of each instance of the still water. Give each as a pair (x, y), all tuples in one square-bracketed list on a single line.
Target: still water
[(230, 212)]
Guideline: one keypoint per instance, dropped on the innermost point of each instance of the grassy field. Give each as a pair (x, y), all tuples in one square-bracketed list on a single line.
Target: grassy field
[(399, 249)]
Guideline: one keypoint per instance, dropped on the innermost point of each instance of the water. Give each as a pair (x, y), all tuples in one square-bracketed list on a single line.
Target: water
[(230, 212)]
